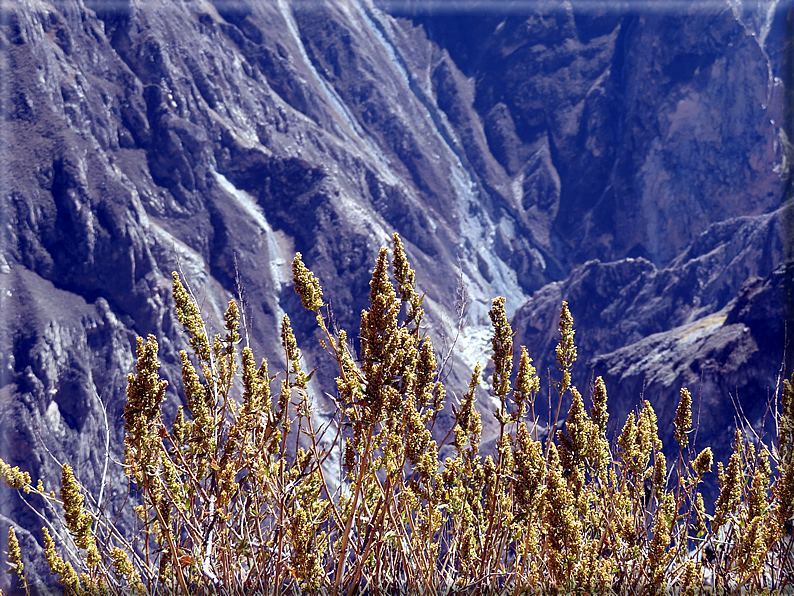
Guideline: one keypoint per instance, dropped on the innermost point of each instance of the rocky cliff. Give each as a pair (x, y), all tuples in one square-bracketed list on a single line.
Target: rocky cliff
[(630, 159)]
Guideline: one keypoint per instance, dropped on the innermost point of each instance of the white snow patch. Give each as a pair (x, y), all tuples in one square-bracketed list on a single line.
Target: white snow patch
[(517, 186), (246, 201), (278, 244), (474, 345), (194, 273), (363, 218), (191, 262), (53, 416)]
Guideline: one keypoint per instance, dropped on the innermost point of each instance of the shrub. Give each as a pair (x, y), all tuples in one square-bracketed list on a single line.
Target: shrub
[(238, 494)]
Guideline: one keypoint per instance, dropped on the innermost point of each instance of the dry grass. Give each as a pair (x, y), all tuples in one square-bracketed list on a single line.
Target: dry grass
[(230, 501)]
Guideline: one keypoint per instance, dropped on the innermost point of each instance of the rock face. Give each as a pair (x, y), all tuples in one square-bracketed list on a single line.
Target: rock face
[(634, 164), (713, 320)]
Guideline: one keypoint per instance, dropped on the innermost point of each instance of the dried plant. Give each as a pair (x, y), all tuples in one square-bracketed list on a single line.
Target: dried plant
[(238, 496)]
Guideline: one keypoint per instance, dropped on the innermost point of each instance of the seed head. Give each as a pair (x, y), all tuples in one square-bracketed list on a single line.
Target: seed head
[(730, 491), (599, 412), (683, 418), (232, 324), (566, 349), (786, 421), (703, 462), (72, 502), (15, 557), (502, 342), (14, 477), (405, 276), (527, 383), (307, 286), (189, 315)]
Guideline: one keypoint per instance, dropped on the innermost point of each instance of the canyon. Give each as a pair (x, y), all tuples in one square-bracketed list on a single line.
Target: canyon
[(630, 158)]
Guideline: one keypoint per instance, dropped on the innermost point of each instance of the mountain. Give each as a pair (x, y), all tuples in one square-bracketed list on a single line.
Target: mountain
[(632, 158)]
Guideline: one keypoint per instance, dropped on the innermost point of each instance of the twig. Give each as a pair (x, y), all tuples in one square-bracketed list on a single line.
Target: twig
[(107, 449), (241, 299), (461, 304)]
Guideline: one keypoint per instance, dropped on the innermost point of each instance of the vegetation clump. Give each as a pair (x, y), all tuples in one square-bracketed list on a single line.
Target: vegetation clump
[(239, 494)]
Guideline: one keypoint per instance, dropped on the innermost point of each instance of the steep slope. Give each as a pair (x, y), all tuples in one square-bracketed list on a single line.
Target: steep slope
[(655, 124), (714, 320), (507, 148)]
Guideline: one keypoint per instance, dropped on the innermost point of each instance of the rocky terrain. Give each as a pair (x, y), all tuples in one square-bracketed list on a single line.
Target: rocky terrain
[(631, 159)]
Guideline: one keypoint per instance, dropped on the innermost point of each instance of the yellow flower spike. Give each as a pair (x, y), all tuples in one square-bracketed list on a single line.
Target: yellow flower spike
[(599, 412), (703, 461), (527, 383), (307, 286), (502, 344), (658, 556), (566, 349), (290, 345), (405, 276), (648, 430), (189, 315), (15, 557), (683, 418), (784, 494), (576, 443), (786, 421), (75, 519), (529, 470), (13, 477), (692, 581), (730, 491), (232, 324), (659, 475)]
